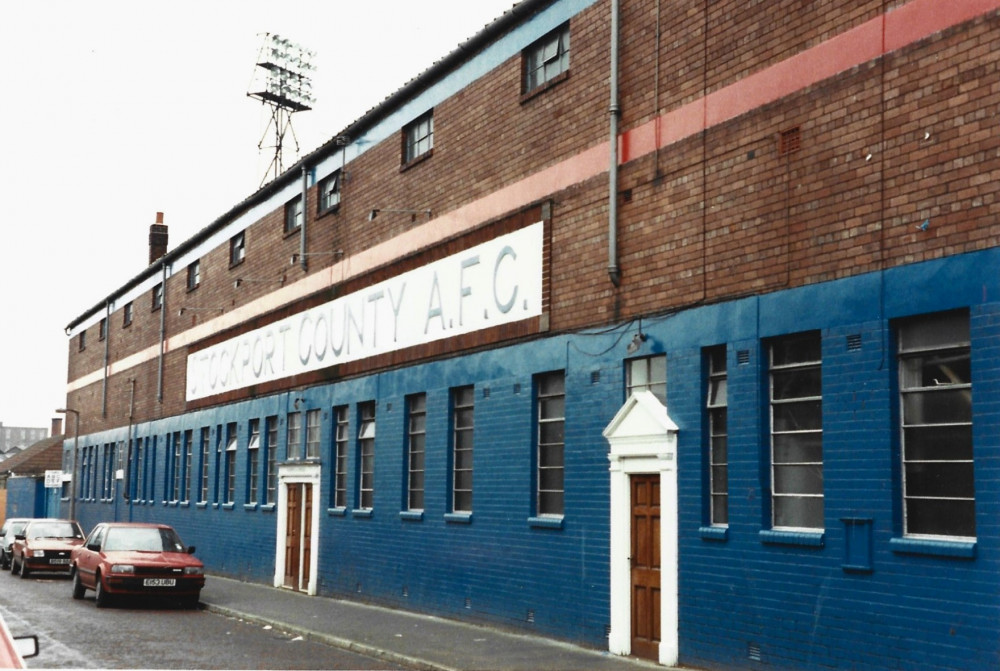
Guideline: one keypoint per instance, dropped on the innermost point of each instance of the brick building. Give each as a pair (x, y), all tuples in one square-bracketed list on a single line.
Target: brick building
[(718, 274)]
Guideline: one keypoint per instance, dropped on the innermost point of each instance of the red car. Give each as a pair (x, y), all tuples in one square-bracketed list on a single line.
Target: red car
[(44, 545), (125, 558)]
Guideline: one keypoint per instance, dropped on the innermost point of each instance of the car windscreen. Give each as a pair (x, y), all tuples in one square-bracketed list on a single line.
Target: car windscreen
[(142, 540), (53, 530)]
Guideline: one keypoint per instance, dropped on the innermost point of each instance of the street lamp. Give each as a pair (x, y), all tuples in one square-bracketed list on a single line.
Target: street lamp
[(76, 439)]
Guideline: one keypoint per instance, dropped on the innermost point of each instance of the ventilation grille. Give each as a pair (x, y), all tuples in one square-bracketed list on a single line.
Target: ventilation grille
[(790, 141), (595, 376), (530, 619), (753, 651), (486, 392), (854, 342), (468, 602), (743, 357), (517, 387)]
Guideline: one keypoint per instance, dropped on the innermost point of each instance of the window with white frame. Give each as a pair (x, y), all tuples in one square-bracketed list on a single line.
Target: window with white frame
[(157, 297), (418, 138), (550, 390), (313, 418), (177, 457), (193, 275), (293, 435), (237, 248), (416, 433), (271, 476), (935, 389), (366, 455), (796, 403), (206, 448), (329, 192), (463, 406), (293, 214), (716, 406), (230, 463), (546, 60), (186, 477), (647, 374), (340, 446), (253, 462)]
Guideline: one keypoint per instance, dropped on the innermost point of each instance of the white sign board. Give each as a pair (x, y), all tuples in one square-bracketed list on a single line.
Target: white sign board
[(53, 479), (495, 283)]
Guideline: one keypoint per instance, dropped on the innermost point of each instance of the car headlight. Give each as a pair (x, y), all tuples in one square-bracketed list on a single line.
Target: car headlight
[(193, 570), (36, 553), (123, 568)]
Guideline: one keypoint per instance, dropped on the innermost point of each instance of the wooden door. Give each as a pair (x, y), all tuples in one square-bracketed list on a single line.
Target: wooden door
[(293, 536), (645, 562), (307, 490)]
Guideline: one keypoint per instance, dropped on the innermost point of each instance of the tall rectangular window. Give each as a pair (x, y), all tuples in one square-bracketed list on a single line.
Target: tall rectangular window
[(546, 60), (253, 462), (313, 418), (293, 214), (418, 138), (177, 457), (366, 455), (718, 453), (796, 402), (157, 297), (271, 477), (340, 446), (329, 192), (186, 478), (206, 447), (935, 397), (230, 463), (294, 436), (550, 390), (237, 248), (416, 412), (193, 275), (647, 374), (127, 314), (462, 411)]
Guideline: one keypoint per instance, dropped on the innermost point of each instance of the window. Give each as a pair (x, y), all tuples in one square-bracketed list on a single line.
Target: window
[(230, 463), (418, 138), (312, 434), (293, 215), (796, 432), (416, 410), (82, 340), (102, 331), (340, 457), (271, 477), (176, 467), (329, 192), (935, 390), (366, 455), (462, 400), (253, 462), (550, 389), (157, 297), (205, 450), (237, 248), (294, 435), (193, 275), (545, 60), (718, 454), (647, 374), (186, 475), (127, 314)]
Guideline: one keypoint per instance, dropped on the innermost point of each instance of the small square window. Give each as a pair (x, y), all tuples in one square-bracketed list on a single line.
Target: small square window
[(237, 248), (194, 275), (329, 192), (545, 60), (293, 215), (418, 138), (127, 314)]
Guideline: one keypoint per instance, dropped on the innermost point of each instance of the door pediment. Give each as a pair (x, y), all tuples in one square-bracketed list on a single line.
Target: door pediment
[(639, 427)]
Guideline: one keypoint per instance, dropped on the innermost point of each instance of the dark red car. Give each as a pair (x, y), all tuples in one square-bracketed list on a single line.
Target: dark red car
[(44, 545), (125, 558)]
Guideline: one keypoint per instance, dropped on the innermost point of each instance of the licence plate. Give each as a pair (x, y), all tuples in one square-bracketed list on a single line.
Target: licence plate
[(58, 560), (159, 582)]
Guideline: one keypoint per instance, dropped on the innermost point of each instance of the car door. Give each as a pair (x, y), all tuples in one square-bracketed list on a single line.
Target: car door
[(87, 560)]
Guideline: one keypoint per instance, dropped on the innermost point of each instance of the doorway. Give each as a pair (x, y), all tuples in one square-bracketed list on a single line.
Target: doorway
[(645, 570), (297, 537)]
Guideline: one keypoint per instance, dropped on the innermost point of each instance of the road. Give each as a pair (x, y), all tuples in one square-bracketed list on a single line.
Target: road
[(132, 635)]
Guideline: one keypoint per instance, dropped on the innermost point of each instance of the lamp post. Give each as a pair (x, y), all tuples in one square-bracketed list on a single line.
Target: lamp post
[(76, 439)]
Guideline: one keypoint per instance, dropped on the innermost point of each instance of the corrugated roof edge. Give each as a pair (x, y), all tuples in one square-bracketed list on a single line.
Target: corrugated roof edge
[(463, 52)]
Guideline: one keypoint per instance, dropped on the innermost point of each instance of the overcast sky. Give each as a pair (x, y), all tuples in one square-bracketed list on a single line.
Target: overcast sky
[(115, 110)]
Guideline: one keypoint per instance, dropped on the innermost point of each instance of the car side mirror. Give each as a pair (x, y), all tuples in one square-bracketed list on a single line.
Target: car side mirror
[(190, 550), (19, 537), (94, 547), (26, 646)]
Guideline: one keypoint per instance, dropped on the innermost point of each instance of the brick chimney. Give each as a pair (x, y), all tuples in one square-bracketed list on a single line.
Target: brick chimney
[(56, 427), (157, 239)]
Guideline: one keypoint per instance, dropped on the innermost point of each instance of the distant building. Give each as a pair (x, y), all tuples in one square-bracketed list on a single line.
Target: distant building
[(13, 439)]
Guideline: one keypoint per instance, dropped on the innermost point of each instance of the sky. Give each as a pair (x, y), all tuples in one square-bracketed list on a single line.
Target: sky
[(114, 110)]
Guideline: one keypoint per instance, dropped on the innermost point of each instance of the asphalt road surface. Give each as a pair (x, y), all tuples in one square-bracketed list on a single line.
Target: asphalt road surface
[(138, 634)]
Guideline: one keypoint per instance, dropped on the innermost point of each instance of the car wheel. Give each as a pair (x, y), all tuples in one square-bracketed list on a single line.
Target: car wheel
[(103, 598), (78, 589)]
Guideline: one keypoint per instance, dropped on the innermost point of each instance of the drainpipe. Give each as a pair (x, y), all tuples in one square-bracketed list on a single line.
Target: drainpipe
[(302, 229), (163, 330), (127, 481), (107, 357), (614, 272)]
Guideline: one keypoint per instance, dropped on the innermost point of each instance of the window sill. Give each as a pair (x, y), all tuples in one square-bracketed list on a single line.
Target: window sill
[(228, 506), (812, 539), (417, 160), (411, 515), (545, 522), (250, 506), (267, 508), (720, 534), (542, 88), (933, 548), (363, 513), (184, 504), (458, 518), (201, 504)]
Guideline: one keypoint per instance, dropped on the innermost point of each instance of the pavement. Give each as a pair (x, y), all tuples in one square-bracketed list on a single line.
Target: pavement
[(402, 637)]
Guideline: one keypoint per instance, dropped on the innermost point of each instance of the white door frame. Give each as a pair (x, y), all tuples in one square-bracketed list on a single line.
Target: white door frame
[(643, 439), (296, 474)]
